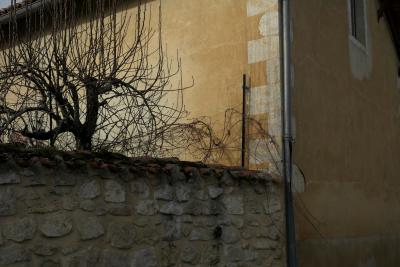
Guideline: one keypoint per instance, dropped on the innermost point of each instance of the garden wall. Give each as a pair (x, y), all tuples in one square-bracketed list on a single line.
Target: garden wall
[(81, 209)]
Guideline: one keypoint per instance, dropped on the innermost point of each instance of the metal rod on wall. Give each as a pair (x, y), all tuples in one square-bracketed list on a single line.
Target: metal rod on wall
[(244, 119)]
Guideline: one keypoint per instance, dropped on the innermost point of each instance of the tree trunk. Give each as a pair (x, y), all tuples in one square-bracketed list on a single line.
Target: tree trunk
[(83, 142)]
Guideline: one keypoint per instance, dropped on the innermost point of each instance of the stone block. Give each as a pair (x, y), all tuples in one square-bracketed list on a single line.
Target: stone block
[(145, 258), (8, 201), (215, 191), (233, 204), (56, 225), (114, 192), (140, 189), (146, 207), (121, 234), (20, 230), (89, 190), (165, 192), (14, 254), (90, 228), (9, 177), (171, 208), (44, 249)]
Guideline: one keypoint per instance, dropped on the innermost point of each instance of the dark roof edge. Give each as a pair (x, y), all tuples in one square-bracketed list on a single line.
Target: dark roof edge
[(21, 9)]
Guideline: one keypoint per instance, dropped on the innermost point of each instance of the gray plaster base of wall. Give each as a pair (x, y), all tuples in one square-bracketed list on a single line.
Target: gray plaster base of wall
[(373, 251), (73, 212)]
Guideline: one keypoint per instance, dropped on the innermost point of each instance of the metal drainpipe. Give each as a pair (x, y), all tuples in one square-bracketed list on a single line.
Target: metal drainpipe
[(287, 132)]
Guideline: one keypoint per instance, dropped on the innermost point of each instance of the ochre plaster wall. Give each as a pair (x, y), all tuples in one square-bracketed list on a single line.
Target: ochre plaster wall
[(347, 140), (218, 42)]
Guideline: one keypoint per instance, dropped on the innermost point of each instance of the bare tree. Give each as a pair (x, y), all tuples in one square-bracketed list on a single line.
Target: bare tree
[(90, 75)]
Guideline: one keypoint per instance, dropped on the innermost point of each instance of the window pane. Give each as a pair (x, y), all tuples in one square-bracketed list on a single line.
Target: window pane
[(358, 26), (360, 21)]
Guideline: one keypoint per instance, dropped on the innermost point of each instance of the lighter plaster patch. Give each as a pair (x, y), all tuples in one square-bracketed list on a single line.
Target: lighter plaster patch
[(269, 24), (258, 100), (273, 71), (263, 49), (255, 7)]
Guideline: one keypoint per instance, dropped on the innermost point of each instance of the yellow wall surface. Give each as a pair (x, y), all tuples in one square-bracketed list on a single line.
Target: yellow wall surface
[(347, 139), (218, 42)]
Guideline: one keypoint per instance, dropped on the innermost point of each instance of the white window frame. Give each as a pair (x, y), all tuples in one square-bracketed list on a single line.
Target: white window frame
[(353, 39)]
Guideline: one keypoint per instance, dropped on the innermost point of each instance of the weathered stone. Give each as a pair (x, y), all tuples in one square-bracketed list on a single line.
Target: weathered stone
[(56, 225), (165, 192), (272, 234), (146, 207), (197, 207), (201, 194), (171, 208), (170, 255), (210, 256), (9, 177), (145, 258), (62, 179), (44, 250), (87, 205), (262, 243), (183, 192), (121, 234), (230, 235), (89, 190), (186, 229), (20, 230), (140, 189), (8, 201), (1, 238), (148, 235), (175, 172), (204, 221), (214, 191), (14, 254), (227, 179), (111, 258), (101, 208), (253, 206), (247, 233), (61, 190), (50, 263), (90, 228), (87, 257), (69, 203), (27, 193), (118, 209), (114, 192), (42, 206), (141, 221), (172, 230), (237, 221), (190, 254), (272, 206), (233, 204), (187, 218), (233, 253), (31, 178), (68, 250), (200, 234)]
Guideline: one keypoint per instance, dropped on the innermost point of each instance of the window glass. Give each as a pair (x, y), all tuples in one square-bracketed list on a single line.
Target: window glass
[(358, 20)]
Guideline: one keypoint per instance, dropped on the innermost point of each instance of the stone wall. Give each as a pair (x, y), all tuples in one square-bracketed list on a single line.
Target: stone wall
[(78, 209)]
